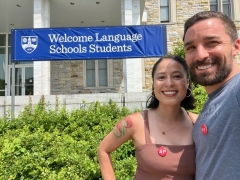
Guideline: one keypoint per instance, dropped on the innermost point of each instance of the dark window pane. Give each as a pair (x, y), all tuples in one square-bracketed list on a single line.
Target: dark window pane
[(226, 1), (18, 81), (213, 8), (164, 15), (164, 11), (9, 40), (2, 93), (90, 78), (9, 56), (103, 78), (2, 40), (226, 10), (90, 64), (102, 70), (164, 3), (29, 81), (90, 73), (2, 68), (102, 64), (213, 5), (227, 7)]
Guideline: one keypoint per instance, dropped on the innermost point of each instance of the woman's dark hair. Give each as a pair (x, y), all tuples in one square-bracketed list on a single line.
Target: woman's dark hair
[(188, 102)]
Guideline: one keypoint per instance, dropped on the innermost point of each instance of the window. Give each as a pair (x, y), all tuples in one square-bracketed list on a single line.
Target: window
[(213, 5), (222, 6), (98, 73), (2, 63), (167, 11), (164, 11), (2, 71), (227, 7)]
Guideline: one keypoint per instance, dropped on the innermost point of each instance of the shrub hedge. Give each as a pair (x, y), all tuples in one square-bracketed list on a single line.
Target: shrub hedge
[(57, 144)]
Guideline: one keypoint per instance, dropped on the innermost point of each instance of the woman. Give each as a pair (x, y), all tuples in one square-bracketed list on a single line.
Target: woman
[(162, 135)]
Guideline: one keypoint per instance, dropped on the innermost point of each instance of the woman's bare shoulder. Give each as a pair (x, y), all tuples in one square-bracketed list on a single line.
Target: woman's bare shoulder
[(136, 116), (193, 116), (138, 135)]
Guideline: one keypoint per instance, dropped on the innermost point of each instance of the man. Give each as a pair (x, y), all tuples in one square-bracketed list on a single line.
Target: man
[(211, 45)]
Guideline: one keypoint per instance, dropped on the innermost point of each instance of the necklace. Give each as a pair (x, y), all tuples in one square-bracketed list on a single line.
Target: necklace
[(164, 132)]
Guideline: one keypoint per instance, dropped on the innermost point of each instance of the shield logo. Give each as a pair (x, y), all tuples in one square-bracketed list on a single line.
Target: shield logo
[(29, 43)]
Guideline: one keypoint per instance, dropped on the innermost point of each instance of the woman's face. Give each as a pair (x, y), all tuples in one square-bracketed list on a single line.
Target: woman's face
[(170, 82)]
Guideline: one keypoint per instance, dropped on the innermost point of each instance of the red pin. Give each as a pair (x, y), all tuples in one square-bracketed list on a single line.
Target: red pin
[(204, 129), (162, 151)]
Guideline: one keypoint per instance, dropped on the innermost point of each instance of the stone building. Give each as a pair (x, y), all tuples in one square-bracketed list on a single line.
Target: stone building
[(95, 76)]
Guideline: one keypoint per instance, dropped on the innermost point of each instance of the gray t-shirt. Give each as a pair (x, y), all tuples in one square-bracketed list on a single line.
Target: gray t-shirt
[(218, 152)]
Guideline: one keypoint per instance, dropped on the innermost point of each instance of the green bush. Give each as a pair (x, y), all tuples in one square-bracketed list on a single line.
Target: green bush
[(200, 96), (58, 144)]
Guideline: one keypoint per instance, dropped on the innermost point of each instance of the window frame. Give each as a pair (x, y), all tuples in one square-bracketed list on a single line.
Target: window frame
[(109, 74), (168, 9), (6, 48), (172, 11), (235, 10), (220, 4)]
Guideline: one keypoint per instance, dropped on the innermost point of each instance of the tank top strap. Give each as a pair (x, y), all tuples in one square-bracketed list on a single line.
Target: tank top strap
[(146, 127), (190, 117)]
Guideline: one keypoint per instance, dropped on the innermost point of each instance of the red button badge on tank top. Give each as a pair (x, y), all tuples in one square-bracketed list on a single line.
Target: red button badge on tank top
[(162, 151), (204, 129)]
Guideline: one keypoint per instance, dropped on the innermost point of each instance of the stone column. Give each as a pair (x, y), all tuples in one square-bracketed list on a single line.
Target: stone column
[(132, 68), (41, 19)]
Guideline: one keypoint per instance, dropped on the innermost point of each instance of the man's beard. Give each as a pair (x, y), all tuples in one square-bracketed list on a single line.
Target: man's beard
[(211, 78)]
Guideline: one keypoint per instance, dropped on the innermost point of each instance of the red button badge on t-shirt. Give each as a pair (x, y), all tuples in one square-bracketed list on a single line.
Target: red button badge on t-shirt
[(204, 129), (162, 151)]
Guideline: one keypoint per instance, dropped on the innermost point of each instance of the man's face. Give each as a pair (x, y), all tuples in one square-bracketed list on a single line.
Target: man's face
[(209, 52)]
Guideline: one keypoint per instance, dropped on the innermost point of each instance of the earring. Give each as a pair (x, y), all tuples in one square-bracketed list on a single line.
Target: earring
[(190, 93)]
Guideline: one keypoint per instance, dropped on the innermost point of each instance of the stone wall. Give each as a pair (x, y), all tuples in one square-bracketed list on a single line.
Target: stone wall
[(67, 78)]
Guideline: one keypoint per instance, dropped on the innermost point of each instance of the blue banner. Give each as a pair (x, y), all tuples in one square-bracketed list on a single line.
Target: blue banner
[(47, 44)]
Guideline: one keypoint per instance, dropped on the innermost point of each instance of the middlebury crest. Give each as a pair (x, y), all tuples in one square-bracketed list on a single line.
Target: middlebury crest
[(29, 43)]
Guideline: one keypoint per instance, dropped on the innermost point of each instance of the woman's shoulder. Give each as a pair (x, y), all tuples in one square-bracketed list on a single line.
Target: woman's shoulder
[(136, 116), (193, 116), (136, 120)]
